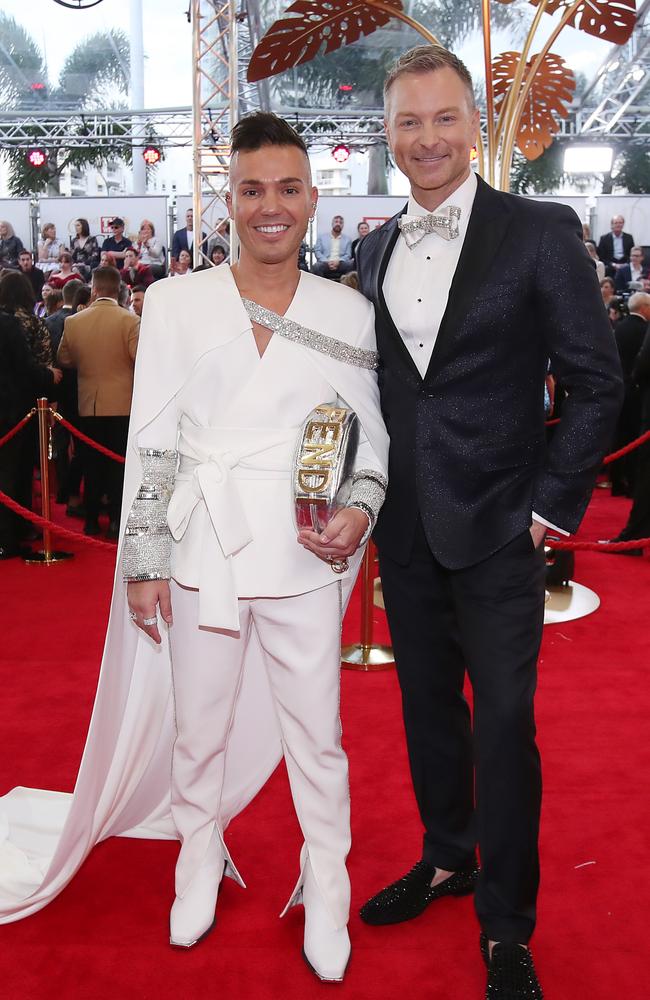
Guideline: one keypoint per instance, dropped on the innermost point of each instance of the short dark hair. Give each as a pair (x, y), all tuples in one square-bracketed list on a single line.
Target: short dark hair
[(106, 281), (16, 292), (139, 288), (85, 228), (70, 290), (262, 128), (81, 295), (428, 59)]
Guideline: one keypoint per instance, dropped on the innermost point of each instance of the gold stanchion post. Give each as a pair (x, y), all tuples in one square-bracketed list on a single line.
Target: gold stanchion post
[(46, 556), (366, 655)]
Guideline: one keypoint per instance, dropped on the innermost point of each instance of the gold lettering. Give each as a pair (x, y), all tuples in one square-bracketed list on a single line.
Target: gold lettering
[(318, 454), (313, 482)]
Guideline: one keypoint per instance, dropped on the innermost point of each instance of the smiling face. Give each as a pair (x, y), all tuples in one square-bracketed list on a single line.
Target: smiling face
[(185, 258), (271, 198), (431, 127), (146, 232), (363, 229)]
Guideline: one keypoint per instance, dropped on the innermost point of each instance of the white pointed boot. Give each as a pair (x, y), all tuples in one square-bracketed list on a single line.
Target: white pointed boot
[(192, 914), (326, 947)]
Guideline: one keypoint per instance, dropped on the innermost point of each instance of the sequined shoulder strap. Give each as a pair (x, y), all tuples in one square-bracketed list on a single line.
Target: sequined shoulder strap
[(291, 330)]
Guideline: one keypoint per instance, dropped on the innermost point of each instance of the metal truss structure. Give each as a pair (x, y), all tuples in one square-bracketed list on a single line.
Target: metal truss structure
[(223, 38), (113, 129), (172, 127), (617, 88), (214, 108)]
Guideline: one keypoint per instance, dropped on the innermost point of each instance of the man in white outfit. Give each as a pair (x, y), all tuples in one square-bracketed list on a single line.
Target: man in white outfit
[(211, 532)]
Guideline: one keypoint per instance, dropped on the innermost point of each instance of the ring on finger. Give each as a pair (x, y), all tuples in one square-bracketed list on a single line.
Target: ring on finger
[(150, 621)]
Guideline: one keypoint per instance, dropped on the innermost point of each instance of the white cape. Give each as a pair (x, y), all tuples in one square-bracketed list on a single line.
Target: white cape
[(122, 788)]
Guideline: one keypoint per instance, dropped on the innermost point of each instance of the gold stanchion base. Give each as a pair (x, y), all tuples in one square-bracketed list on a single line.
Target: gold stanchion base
[(45, 558), (358, 657)]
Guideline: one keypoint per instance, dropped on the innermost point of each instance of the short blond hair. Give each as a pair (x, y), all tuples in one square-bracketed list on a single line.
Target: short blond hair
[(428, 59)]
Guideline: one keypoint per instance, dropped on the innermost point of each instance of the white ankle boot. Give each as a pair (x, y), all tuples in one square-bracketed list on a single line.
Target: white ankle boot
[(326, 948), (192, 915)]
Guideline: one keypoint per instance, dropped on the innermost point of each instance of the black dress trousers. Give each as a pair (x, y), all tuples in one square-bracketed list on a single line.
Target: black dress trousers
[(481, 784)]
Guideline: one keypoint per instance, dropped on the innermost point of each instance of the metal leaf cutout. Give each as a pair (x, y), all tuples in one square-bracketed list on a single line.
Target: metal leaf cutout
[(551, 90), (612, 20), (312, 26)]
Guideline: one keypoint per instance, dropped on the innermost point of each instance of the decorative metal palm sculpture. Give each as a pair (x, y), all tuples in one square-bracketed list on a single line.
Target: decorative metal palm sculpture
[(78, 4), (525, 95)]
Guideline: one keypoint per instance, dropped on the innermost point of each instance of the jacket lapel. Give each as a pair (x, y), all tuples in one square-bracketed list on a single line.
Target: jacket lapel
[(488, 223), (381, 258)]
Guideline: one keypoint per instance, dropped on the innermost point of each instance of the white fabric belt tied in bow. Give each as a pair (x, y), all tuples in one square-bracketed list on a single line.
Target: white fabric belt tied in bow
[(415, 227), (206, 475), (212, 483)]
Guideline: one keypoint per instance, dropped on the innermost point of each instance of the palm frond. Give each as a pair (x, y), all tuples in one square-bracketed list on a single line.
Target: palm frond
[(99, 62), (21, 63)]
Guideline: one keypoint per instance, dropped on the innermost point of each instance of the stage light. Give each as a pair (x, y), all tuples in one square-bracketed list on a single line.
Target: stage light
[(588, 159), (341, 153), (151, 156), (37, 158)]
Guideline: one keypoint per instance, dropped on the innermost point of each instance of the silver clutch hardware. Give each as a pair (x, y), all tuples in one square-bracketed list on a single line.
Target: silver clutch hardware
[(324, 464)]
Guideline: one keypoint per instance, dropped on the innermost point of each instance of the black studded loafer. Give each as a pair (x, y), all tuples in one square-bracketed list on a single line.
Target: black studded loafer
[(409, 896), (511, 973)]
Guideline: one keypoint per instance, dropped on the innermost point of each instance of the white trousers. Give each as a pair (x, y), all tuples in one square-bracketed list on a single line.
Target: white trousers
[(300, 640)]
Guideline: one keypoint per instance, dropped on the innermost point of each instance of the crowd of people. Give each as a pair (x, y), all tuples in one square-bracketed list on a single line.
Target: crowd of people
[(49, 348), (625, 287)]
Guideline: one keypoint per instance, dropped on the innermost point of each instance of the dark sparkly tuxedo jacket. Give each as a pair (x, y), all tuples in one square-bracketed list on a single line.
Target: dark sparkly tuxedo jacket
[(468, 452)]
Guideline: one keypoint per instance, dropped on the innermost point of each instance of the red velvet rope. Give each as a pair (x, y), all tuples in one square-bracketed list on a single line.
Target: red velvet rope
[(628, 447), (84, 437), (43, 522), (635, 543), (14, 430)]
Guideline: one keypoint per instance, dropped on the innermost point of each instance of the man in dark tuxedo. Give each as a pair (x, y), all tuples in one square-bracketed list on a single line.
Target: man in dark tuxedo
[(34, 274), (183, 239), (614, 248), (636, 270), (638, 522), (629, 334), (474, 291)]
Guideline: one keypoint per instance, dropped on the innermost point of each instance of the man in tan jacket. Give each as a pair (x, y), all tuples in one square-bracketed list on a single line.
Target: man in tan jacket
[(101, 343)]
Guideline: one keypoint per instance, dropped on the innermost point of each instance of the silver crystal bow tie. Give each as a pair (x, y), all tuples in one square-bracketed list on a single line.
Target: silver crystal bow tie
[(416, 227)]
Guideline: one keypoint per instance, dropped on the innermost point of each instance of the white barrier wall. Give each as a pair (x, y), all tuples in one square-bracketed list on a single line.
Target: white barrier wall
[(16, 212), (373, 209), (99, 212)]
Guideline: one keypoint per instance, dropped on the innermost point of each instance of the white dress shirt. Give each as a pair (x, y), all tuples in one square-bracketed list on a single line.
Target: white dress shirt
[(618, 250), (335, 250), (418, 280)]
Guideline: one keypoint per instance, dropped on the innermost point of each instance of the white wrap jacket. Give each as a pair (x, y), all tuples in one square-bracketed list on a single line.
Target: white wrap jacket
[(123, 783)]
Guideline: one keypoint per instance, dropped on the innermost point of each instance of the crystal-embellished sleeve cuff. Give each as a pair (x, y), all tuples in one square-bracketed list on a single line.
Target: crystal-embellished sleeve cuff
[(147, 544), (368, 493)]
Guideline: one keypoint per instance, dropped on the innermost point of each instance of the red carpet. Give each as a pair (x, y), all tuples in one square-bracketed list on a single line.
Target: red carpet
[(105, 937)]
